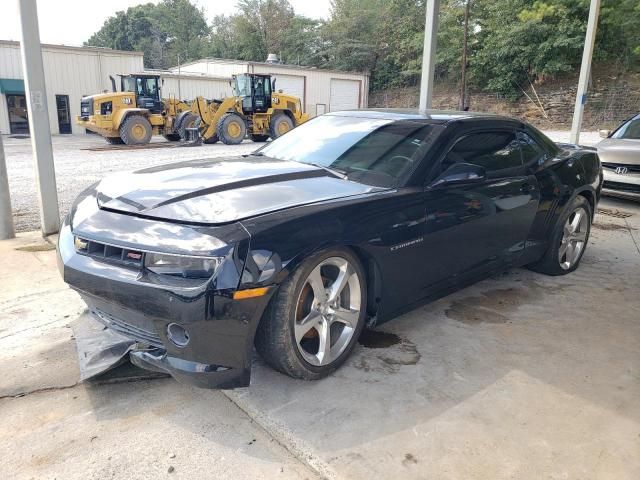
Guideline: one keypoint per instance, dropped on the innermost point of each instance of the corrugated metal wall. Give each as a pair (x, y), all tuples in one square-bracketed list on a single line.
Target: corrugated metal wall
[(68, 71), (190, 87)]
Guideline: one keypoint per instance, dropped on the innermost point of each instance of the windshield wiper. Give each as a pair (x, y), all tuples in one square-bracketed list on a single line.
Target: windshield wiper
[(333, 171)]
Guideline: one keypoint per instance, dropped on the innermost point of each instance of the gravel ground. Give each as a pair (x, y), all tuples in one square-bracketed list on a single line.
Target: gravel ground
[(77, 167)]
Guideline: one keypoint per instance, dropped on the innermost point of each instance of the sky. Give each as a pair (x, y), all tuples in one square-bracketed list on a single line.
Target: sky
[(71, 22)]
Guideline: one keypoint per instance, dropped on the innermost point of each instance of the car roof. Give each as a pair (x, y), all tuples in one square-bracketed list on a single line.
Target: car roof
[(427, 116)]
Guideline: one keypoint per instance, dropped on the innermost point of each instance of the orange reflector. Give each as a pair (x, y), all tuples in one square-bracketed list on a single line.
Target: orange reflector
[(250, 293)]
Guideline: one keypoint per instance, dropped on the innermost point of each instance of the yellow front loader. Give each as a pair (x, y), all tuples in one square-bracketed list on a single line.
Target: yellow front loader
[(135, 113), (255, 109)]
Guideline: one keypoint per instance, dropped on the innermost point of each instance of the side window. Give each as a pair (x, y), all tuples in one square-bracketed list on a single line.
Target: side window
[(532, 152), (497, 152)]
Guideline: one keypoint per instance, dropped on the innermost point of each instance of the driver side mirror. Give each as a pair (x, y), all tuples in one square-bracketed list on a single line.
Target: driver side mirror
[(605, 133), (460, 174)]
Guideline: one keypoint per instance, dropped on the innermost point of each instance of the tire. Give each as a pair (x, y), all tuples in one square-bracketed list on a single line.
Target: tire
[(136, 130), (571, 234), (297, 352), (259, 138), (185, 120), (172, 137), (231, 129), (114, 140), (211, 140), (279, 125)]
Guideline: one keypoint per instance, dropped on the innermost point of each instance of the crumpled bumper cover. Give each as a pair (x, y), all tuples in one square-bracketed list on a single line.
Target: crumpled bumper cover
[(133, 315)]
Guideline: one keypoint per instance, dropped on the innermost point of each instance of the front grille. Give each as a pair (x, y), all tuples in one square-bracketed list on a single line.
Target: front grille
[(622, 187), (109, 253), (613, 166), (128, 330)]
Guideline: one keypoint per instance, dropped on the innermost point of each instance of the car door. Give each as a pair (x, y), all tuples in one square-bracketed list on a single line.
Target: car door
[(472, 229)]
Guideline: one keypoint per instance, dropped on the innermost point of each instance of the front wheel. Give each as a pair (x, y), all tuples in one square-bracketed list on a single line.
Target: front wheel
[(231, 129), (568, 241), (314, 320)]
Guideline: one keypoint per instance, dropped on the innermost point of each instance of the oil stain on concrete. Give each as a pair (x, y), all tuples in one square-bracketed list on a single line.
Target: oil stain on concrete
[(497, 305), (385, 352)]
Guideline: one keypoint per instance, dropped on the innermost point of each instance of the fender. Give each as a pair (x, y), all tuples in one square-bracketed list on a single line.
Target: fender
[(121, 115)]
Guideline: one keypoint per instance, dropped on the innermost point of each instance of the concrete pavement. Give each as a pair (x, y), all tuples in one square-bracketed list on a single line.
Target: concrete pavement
[(54, 427), (519, 376)]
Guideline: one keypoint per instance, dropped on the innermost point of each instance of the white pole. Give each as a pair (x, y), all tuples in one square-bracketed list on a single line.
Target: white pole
[(429, 53), (36, 94), (585, 69), (6, 218)]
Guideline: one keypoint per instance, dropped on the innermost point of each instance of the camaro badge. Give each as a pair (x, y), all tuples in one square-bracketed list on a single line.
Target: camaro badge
[(406, 244)]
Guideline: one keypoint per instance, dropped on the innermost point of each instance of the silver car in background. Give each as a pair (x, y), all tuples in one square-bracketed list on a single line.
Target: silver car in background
[(619, 153)]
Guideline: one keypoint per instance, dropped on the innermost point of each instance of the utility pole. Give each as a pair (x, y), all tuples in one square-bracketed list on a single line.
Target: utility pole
[(463, 66), (179, 95), (38, 117), (429, 53), (6, 217), (585, 70)]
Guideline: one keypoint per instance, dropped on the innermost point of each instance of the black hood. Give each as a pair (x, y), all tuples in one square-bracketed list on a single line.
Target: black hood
[(221, 190)]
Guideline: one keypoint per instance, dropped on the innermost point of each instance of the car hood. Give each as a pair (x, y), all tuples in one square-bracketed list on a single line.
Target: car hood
[(221, 190), (624, 151)]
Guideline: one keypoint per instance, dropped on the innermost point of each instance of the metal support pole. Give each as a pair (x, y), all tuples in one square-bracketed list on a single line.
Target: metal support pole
[(6, 217), (429, 53), (585, 70), (463, 66), (38, 117)]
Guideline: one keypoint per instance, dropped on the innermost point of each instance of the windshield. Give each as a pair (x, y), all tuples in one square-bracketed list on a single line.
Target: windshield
[(242, 86), (141, 86), (377, 151), (630, 129)]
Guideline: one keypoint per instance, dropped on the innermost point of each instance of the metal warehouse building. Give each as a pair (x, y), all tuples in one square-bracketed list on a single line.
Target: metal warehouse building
[(320, 90), (72, 72)]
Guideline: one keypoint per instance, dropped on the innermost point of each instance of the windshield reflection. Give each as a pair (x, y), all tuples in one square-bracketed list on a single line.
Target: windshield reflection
[(364, 146)]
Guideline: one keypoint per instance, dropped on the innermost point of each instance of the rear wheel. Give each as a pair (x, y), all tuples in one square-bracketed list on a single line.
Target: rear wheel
[(231, 129), (569, 240), (259, 138), (314, 321), (136, 130), (114, 140), (279, 125)]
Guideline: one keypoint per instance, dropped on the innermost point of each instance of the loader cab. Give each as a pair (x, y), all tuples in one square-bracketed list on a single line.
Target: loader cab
[(254, 91), (146, 89)]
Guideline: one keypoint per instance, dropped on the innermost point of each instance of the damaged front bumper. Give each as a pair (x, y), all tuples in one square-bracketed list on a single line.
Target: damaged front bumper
[(136, 314)]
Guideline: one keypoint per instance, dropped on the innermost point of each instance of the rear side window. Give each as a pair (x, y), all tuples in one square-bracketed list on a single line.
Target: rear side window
[(532, 152), (497, 152)]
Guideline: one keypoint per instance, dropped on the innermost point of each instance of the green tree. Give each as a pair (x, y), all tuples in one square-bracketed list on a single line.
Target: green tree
[(162, 32)]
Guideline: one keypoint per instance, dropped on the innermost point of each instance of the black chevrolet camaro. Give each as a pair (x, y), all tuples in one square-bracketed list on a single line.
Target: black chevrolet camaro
[(341, 224)]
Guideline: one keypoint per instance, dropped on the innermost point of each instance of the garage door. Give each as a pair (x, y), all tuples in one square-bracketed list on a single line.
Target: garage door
[(291, 85), (345, 95)]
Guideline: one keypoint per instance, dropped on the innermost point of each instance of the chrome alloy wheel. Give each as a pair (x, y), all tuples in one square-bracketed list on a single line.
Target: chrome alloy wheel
[(327, 311), (574, 238)]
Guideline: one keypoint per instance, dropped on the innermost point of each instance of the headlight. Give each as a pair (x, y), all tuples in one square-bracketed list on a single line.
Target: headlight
[(180, 266)]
